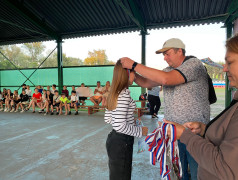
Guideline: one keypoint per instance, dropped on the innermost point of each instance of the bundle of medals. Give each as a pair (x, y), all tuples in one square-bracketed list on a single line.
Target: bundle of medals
[(165, 151)]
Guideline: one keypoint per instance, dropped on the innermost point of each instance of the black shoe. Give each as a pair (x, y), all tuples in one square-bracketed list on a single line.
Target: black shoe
[(155, 116), (51, 113), (76, 113), (41, 111), (33, 111), (57, 113), (69, 113)]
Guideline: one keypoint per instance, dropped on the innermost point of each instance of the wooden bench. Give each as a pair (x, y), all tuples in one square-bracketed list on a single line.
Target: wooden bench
[(92, 109), (143, 102), (89, 108), (140, 111)]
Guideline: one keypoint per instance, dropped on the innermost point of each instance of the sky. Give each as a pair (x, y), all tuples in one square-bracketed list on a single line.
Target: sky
[(200, 41)]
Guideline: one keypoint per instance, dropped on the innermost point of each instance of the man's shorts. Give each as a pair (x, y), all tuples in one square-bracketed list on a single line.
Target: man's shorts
[(97, 97), (25, 102), (73, 103), (57, 104), (17, 101)]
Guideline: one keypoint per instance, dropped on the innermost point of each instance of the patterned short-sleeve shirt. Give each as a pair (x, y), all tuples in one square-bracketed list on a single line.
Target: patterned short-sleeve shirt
[(188, 101)]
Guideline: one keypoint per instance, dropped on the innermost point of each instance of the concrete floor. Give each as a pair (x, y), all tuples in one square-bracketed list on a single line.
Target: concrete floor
[(38, 147)]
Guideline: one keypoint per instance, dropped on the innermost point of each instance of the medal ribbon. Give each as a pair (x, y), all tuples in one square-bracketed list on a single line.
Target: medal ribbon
[(159, 142)]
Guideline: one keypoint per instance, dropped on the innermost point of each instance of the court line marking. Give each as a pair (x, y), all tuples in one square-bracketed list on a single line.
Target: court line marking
[(53, 154), (30, 133)]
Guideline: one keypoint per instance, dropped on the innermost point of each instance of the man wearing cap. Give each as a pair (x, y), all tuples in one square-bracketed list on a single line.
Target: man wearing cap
[(185, 87)]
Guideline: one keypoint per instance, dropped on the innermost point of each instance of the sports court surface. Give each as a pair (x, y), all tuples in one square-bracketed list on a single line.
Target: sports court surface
[(38, 147)]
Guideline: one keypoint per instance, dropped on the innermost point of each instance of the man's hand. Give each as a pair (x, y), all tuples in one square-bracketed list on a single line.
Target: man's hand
[(196, 127), (126, 62)]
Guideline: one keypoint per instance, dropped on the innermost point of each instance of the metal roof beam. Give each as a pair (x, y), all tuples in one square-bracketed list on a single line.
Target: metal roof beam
[(134, 13), (137, 14), (19, 26), (232, 12), (20, 8)]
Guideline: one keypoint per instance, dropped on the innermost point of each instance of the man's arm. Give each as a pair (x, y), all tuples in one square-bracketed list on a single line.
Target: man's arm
[(143, 82), (101, 92), (160, 77)]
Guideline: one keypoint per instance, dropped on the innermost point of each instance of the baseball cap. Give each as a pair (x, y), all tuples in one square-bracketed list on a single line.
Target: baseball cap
[(171, 43)]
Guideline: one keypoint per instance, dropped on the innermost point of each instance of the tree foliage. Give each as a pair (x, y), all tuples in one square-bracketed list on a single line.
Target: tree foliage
[(31, 56), (34, 51), (97, 57), (14, 54), (215, 73)]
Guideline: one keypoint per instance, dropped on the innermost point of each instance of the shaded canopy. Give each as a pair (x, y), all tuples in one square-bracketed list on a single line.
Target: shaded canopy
[(24, 21)]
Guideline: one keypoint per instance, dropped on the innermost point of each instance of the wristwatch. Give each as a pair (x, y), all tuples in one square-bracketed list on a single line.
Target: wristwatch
[(134, 65)]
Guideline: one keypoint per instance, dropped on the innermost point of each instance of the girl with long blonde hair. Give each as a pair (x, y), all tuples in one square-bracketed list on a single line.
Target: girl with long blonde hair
[(8, 98), (119, 113)]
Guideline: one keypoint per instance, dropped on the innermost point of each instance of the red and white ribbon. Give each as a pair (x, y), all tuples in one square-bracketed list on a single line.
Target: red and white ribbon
[(159, 143)]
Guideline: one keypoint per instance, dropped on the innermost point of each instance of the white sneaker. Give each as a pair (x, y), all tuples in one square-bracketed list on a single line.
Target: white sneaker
[(1, 109), (22, 111), (16, 111), (5, 110), (12, 110)]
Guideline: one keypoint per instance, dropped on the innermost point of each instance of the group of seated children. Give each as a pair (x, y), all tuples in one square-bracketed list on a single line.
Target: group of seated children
[(13, 100), (48, 99)]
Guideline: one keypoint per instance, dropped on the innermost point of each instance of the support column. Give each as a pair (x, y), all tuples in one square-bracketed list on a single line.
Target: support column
[(228, 90), (235, 26), (143, 47), (0, 79), (143, 53), (235, 31), (60, 65)]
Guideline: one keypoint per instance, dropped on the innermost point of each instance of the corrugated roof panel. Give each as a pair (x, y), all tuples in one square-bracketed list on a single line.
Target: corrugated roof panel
[(74, 18)]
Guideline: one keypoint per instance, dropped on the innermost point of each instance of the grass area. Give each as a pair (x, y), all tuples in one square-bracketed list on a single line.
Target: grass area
[(217, 107)]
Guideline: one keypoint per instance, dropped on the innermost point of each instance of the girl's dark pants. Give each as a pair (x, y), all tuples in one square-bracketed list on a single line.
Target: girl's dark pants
[(119, 149)]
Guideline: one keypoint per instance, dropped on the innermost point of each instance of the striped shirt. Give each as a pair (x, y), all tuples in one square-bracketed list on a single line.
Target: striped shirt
[(122, 118)]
